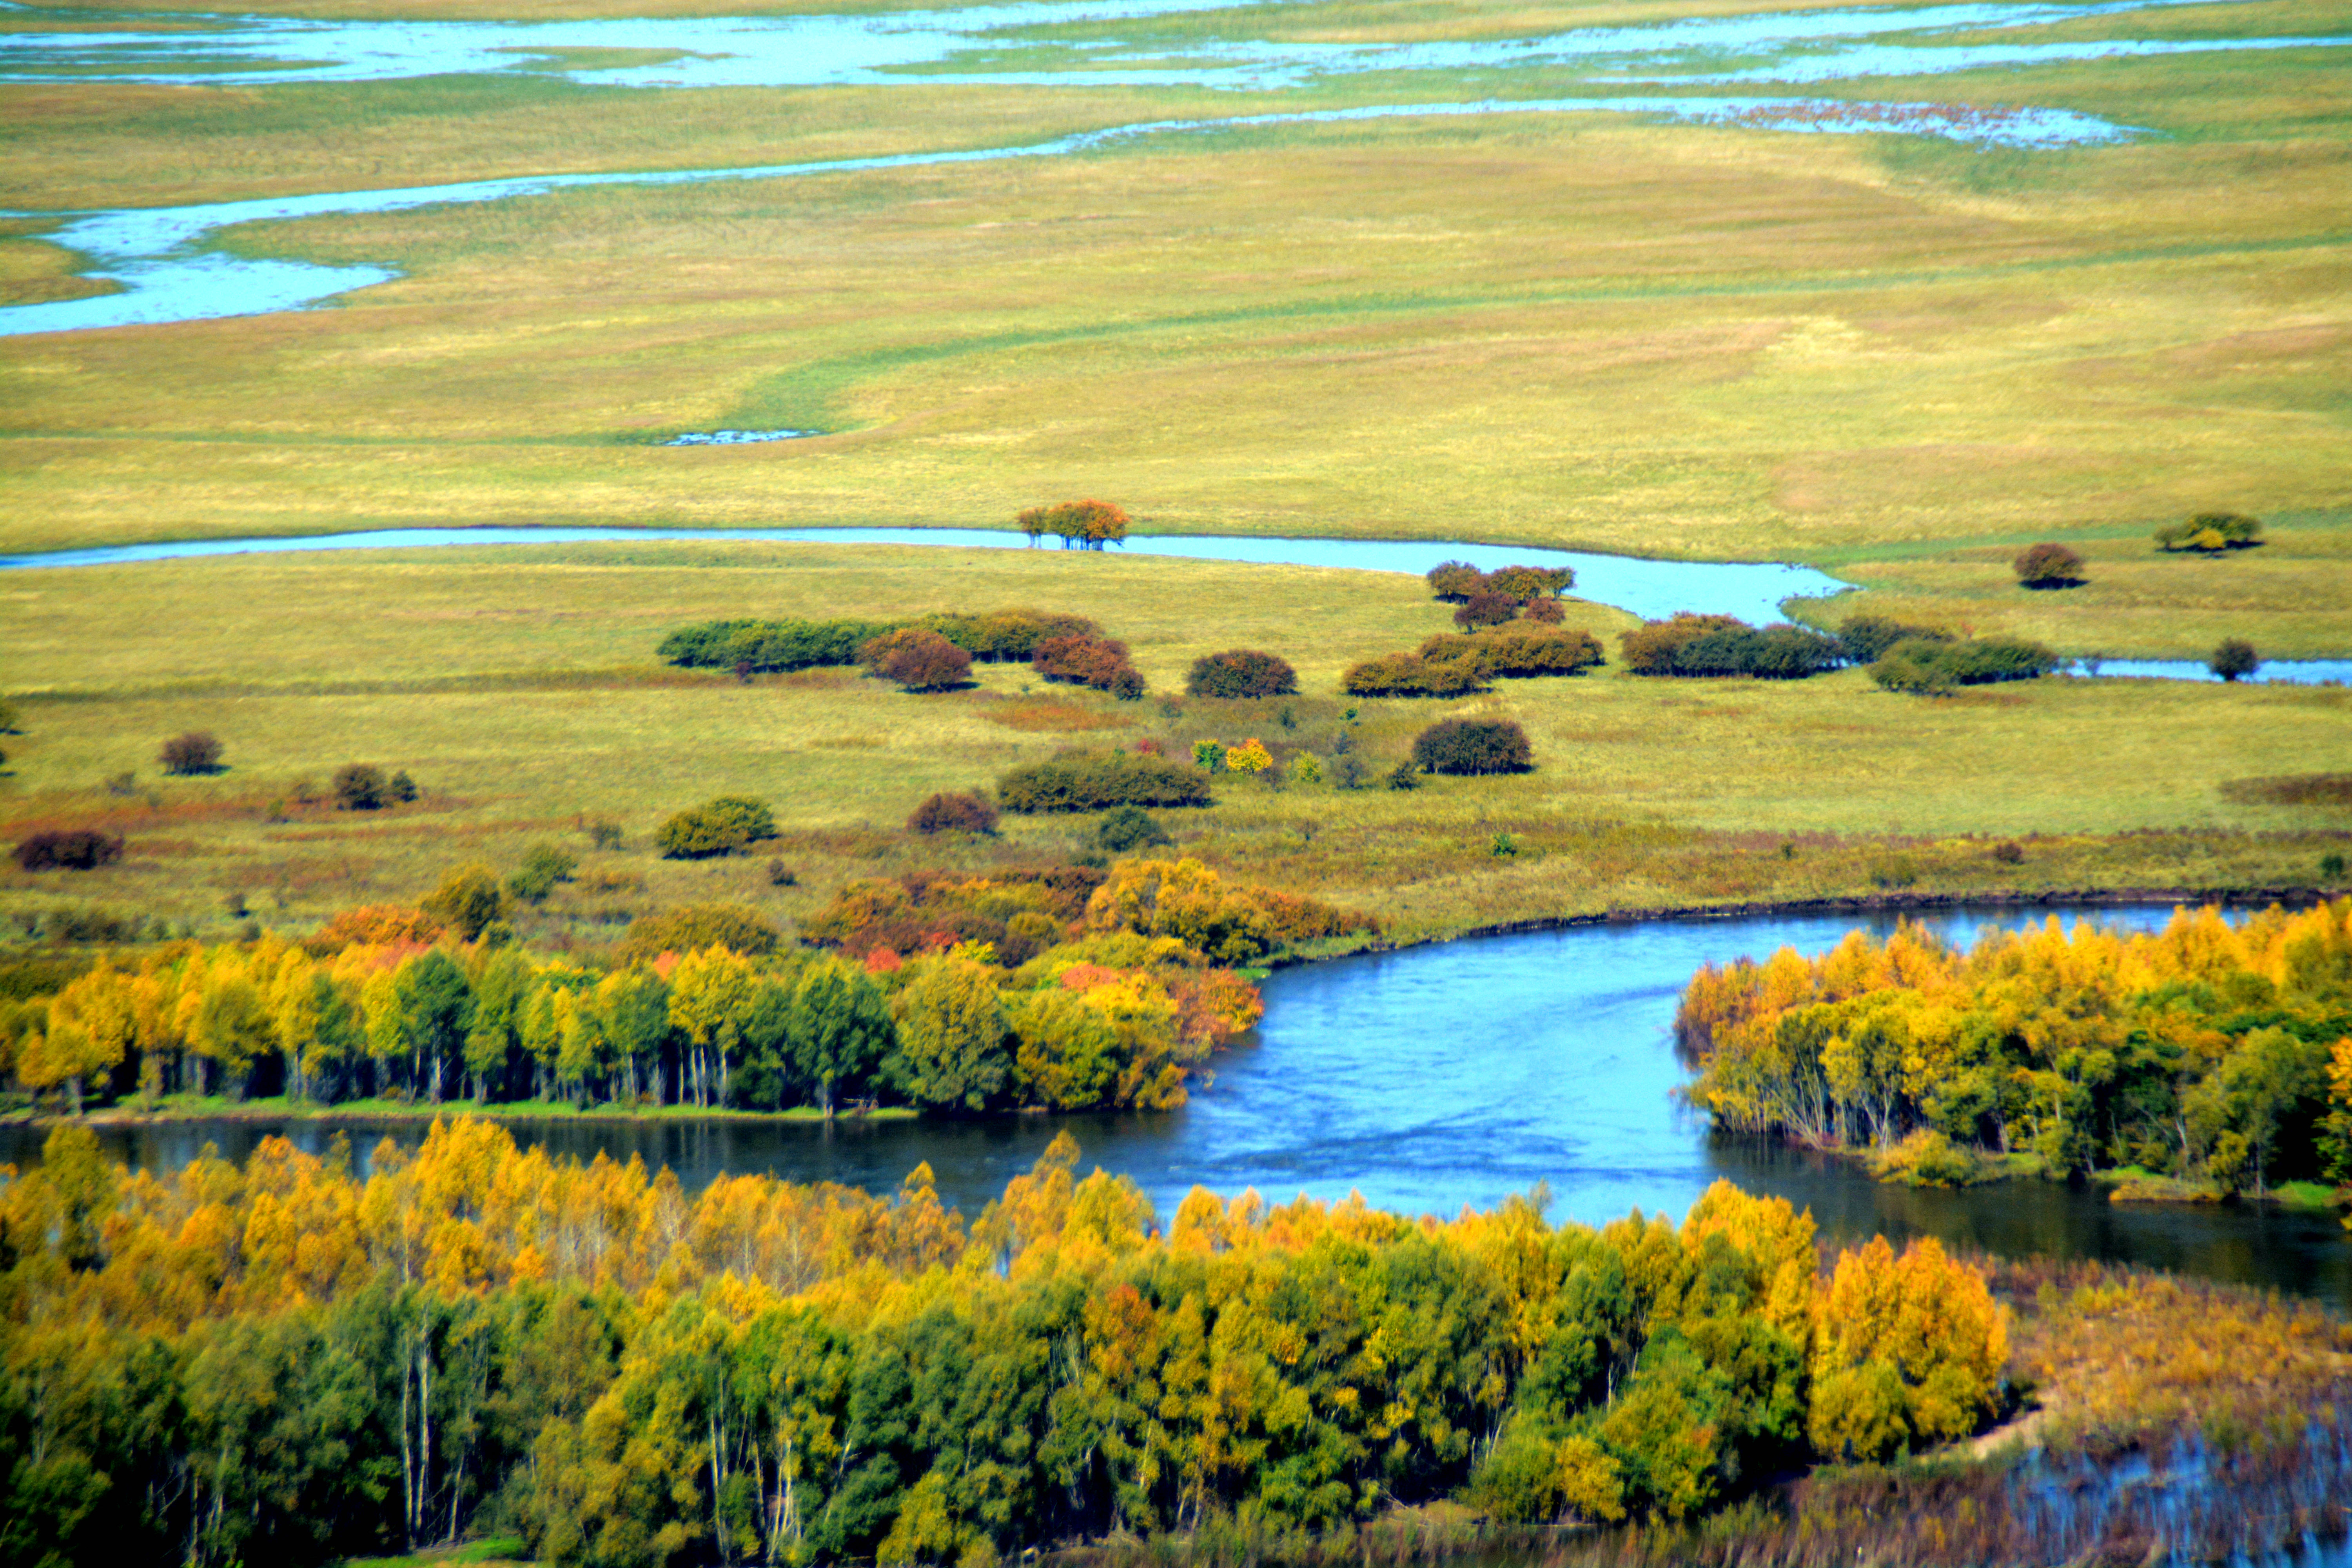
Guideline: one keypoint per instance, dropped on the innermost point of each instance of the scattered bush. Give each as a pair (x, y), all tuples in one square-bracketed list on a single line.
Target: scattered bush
[(68, 849), (1930, 668), (2331, 867), (8, 717), (197, 752), (1405, 775), (1482, 609), (699, 926), (1699, 646), (1095, 661), (1095, 780), (1305, 770), (1406, 674), (1516, 653), (721, 826), (361, 786), (2234, 659), (2210, 532), (1454, 581), (401, 787), (1863, 638), (918, 660), (1473, 746), (1208, 756), (781, 876), (961, 813), (1545, 612), (1080, 524), (2049, 566), (1241, 672), (761, 646), (2009, 852), (544, 866), (468, 900), (1127, 828), (603, 834), (1250, 757)]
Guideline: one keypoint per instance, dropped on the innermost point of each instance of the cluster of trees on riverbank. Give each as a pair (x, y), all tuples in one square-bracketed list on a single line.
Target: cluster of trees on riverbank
[(296, 1362), (2211, 1054), (755, 647), (1067, 987)]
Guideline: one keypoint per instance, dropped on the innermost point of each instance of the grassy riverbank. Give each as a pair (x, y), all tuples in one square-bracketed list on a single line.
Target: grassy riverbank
[(137, 1111), (518, 689)]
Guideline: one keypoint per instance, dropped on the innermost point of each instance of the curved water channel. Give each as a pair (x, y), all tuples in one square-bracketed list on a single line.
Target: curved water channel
[(1439, 1077)]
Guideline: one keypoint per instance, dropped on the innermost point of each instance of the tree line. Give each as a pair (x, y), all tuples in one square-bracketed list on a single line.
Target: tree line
[(2209, 1054), (298, 1361), (1067, 987)]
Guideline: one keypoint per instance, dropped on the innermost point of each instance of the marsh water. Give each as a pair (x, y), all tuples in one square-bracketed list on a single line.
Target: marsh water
[(1439, 1077)]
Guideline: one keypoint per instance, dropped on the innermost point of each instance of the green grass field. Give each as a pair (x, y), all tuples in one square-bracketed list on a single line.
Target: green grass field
[(519, 688)]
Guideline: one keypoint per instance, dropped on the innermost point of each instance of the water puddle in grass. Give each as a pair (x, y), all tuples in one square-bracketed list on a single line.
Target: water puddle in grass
[(1751, 590), (154, 254), (737, 437), (2274, 672)]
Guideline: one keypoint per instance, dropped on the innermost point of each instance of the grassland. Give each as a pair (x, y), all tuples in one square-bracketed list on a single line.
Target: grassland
[(518, 687), (1894, 357)]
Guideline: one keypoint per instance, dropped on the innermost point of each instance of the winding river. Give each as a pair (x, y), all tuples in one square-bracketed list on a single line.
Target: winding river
[(1444, 1076)]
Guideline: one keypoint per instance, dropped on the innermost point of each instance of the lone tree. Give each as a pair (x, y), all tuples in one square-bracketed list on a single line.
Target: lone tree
[(197, 752), (2049, 566), (2233, 660), (360, 786), (1241, 672), (1473, 746), (1079, 525)]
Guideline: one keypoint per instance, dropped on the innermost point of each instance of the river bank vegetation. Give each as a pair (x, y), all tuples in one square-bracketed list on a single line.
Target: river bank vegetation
[(304, 1359), (2204, 1060)]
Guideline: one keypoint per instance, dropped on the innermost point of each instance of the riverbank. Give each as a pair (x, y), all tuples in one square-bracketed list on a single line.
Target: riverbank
[(167, 1109)]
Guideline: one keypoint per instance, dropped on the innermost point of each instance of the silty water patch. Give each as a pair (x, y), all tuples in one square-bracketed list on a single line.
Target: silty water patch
[(735, 438), (152, 252), (822, 50)]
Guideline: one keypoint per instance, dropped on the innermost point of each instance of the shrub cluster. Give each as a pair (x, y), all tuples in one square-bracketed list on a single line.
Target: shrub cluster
[(1482, 609), (1007, 637), (544, 866), (2210, 532), (2048, 566), (768, 646), (1410, 675), (1516, 653), (1689, 645), (1241, 673), (1863, 638), (362, 786), (1928, 668), (958, 813), (1127, 828), (1019, 913), (918, 659), (1098, 662), (721, 826), (694, 927), (1095, 781), (1457, 582), (197, 752), (1473, 746), (1079, 525), (68, 849)]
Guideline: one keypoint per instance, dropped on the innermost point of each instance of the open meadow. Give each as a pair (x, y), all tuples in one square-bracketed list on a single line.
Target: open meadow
[(519, 686)]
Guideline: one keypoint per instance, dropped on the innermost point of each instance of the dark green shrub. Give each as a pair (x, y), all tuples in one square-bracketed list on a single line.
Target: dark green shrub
[(1928, 668), (699, 926), (361, 786), (1404, 675), (2048, 566), (2234, 659), (1125, 828), (1473, 746), (1239, 673), (468, 900), (197, 752), (401, 787), (1095, 780), (544, 866), (1702, 645), (721, 826), (1863, 637), (68, 849), (750, 646), (1651, 647), (1405, 775), (960, 813), (2331, 867)]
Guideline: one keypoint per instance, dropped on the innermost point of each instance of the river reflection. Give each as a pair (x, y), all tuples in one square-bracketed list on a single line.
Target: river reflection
[(1447, 1076)]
